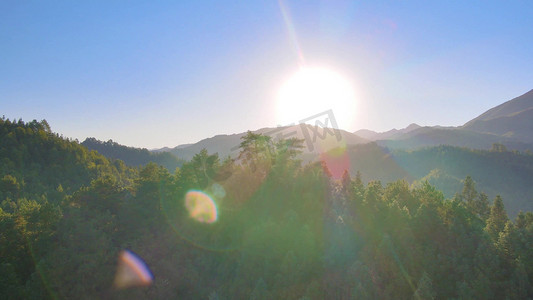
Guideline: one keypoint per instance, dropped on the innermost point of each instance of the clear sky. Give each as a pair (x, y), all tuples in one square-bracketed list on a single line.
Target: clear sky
[(154, 73)]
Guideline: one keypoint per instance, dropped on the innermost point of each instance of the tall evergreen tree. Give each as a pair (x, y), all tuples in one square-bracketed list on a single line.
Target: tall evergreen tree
[(469, 193), (497, 219), (358, 181), (346, 183), (482, 206)]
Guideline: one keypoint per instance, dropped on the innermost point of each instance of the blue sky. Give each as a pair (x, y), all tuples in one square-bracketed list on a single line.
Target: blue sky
[(154, 73)]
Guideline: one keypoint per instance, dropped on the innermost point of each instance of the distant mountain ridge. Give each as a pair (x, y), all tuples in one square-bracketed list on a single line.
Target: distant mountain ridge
[(441, 155), (513, 106), (510, 124), (374, 136), (131, 156), (508, 174), (316, 139), (513, 119), (459, 137)]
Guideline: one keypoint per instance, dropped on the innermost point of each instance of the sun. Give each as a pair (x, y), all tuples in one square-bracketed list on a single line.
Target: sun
[(311, 91)]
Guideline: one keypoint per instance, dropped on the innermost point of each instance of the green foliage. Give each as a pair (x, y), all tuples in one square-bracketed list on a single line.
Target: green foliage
[(497, 218), (284, 231), (497, 147), (482, 206), (257, 151), (469, 194), (35, 161), (504, 173), (133, 157)]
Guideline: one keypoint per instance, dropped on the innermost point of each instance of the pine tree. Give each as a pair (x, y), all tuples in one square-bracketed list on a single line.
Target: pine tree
[(358, 181), (325, 169), (346, 183), (257, 150), (482, 206), (497, 219), (469, 193), (506, 240), (521, 283)]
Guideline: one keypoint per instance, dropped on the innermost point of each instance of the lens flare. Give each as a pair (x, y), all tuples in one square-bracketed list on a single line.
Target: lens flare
[(131, 271), (337, 161), (291, 31), (201, 207), (196, 218)]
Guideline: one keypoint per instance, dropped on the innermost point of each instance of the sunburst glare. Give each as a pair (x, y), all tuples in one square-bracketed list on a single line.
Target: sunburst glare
[(313, 90)]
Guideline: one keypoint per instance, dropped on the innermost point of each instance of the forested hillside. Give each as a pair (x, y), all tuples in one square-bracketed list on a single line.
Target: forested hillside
[(34, 161), (262, 226), (497, 171), (133, 157), (459, 137)]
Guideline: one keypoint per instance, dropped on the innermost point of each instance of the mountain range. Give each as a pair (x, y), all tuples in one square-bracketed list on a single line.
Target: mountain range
[(512, 119), (132, 156), (493, 148), (510, 124), (316, 140)]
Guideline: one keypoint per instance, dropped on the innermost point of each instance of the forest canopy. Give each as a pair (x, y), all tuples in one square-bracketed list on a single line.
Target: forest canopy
[(261, 226)]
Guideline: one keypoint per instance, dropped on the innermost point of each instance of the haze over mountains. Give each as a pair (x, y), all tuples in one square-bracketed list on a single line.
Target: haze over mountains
[(373, 136), (443, 156), (505, 173), (510, 124), (226, 145), (66, 208), (133, 156), (441, 199), (512, 119)]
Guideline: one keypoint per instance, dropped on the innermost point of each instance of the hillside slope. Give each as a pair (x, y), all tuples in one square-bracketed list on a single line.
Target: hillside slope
[(511, 107), (391, 134), (512, 119), (508, 174), (33, 161), (433, 136), (315, 140), (133, 157), (510, 124)]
